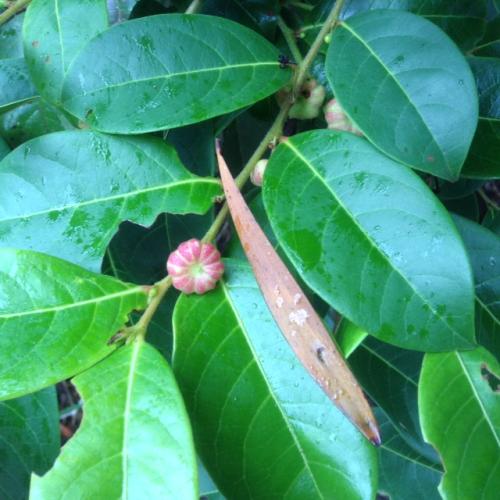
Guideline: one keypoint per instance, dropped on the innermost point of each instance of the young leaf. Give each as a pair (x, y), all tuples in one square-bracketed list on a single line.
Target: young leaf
[(29, 441), (295, 316), (460, 416), (54, 32), (263, 427), (483, 161), (55, 319), (400, 78), (404, 473), (483, 247), (353, 221), (15, 83), (66, 193), (134, 441), (170, 70)]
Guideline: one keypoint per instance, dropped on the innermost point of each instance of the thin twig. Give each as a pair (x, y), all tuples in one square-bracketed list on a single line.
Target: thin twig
[(289, 36), (12, 10), (161, 287), (194, 7)]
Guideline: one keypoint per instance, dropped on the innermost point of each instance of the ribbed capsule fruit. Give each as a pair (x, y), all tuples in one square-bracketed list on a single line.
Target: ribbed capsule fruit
[(195, 267)]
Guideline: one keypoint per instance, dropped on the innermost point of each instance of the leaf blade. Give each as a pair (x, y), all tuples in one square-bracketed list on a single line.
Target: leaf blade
[(133, 405), (342, 176), (253, 403), (69, 201), (65, 314), (380, 86), (186, 81)]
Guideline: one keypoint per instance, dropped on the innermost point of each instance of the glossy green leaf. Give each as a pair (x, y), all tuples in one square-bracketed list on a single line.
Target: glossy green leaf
[(353, 221), (262, 426), (404, 473), (55, 319), (170, 70), (29, 441), (349, 337), (134, 441), (460, 416), (389, 375), (54, 32), (463, 20), (483, 161), (66, 193), (11, 42), (32, 119), (483, 247), (399, 78), (15, 83)]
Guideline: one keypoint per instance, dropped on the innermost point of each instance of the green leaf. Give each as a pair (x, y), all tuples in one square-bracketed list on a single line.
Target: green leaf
[(134, 441), (32, 119), (29, 441), (399, 78), (54, 32), (11, 42), (460, 416), (404, 473), (389, 375), (463, 21), (483, 247), (66, 193), (263, 427), (15, 83), (161, 72), (353, 221), (55, 319), (483, 161), (349, 337)]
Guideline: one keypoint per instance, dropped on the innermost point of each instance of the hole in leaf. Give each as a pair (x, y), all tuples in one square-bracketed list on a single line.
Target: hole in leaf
[(490, 377)]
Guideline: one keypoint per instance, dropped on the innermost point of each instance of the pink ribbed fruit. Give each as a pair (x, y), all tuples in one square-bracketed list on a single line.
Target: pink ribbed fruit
[(257, 175), (195, 267), (337, 119)]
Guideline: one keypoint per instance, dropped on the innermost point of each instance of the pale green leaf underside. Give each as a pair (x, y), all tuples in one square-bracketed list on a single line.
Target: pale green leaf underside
[(54, 31), (263, 427), (460, 416), (399, 78), (170, 70), (353, 221), (134, 441), (66, 193), (55, 319)]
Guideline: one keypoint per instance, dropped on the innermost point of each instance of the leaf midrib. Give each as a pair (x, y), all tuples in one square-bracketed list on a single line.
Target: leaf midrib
[(382, 63), (109, 198), (169, 76), (81, 303), (367, 236)]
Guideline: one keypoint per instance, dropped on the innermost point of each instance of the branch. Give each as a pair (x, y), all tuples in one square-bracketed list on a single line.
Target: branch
[(161, 287), (12, 10)]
